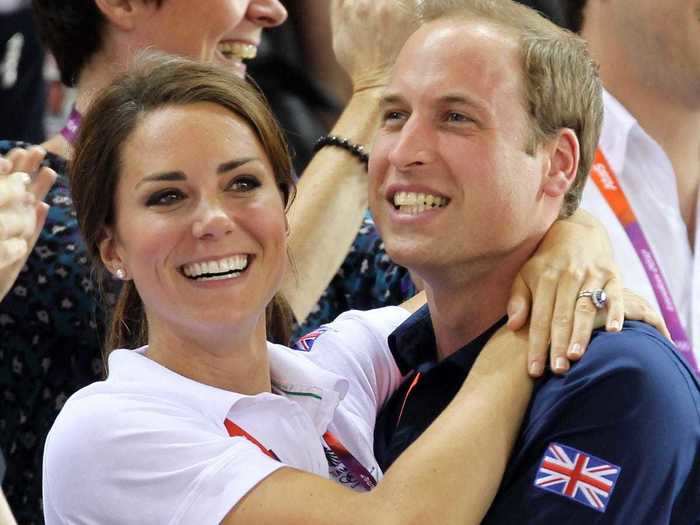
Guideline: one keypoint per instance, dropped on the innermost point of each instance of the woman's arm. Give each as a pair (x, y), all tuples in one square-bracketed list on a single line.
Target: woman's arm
[(449, 475), (332, 194)]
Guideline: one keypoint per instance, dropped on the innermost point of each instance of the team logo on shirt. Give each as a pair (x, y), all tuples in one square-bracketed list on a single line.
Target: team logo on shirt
[(578, 476), (305, 342)]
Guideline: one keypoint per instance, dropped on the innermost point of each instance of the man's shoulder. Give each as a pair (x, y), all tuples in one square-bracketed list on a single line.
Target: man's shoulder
[(636, 368)]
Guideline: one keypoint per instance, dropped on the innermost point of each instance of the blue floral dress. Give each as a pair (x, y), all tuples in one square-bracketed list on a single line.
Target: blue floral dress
[(368, 278), (51, 333)]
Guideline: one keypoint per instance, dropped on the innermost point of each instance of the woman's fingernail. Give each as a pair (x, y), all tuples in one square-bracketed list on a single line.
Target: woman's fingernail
[(561, 363), (614, 326), (536, 368), (575, 350)]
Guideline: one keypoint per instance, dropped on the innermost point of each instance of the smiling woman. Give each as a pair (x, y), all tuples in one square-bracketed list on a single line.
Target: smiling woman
[(180, 182)]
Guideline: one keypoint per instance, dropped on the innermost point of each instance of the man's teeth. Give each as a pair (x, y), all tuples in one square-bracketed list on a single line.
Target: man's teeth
[(415, 203), (216, 270), (237, 50)]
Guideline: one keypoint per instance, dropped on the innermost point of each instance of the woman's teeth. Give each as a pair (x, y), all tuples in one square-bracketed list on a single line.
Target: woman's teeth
[(226, 268), (414, 203), (237, 50)]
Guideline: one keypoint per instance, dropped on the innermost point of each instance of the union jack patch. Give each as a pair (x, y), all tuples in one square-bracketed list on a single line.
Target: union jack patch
[(305, 342), (578, 476)]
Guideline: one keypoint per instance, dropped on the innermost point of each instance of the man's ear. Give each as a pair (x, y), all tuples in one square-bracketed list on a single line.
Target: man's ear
[(564, 154), (109, 252), (121, 13)]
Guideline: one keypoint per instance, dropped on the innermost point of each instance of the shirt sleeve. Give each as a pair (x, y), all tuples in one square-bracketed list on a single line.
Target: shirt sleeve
[(153, 463), (355, 346), (613, 441)]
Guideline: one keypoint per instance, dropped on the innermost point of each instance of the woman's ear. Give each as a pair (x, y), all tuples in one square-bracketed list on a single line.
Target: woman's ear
[(109, 253), (563, 165), (122, 13)]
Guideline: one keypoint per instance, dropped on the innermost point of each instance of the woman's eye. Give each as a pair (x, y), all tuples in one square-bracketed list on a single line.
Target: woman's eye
[(165, 197), (243, 184)]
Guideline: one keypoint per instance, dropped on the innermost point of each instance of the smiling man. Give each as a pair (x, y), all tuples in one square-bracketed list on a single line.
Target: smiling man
[(489, 128)]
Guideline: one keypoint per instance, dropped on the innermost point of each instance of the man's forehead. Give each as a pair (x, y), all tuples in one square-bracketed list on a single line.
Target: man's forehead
[(467, 58)]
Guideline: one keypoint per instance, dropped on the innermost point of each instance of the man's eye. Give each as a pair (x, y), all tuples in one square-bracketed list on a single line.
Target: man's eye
[(453, 116), (244, 183), (165, 197), (392, 115)]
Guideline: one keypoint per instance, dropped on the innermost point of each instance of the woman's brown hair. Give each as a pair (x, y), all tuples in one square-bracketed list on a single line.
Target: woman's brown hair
[(156, 81)]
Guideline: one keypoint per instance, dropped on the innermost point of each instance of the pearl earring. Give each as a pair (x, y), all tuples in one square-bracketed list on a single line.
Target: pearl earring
[(121, 274)]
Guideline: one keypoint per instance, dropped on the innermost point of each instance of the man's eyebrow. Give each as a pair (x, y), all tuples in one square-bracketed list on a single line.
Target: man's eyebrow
[(391, 99), (459, 98)]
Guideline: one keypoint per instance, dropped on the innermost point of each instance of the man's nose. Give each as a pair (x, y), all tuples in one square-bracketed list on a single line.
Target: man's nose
[(415, 145)]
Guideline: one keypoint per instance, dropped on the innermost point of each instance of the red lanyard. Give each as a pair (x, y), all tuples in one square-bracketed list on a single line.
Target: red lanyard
[(361, 474), (604, 177)]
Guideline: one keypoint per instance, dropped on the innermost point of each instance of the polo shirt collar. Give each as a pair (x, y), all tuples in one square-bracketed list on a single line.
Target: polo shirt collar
[(414, 348), (315, 390)]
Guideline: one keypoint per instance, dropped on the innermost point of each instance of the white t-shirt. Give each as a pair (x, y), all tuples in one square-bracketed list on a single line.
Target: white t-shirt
[(150, 446), (646, 176)]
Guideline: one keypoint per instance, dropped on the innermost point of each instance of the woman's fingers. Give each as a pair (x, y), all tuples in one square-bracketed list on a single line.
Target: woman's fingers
[(11, 251), (638, 309), (541, 321), (27, 160), (42, 183), (569, 285)]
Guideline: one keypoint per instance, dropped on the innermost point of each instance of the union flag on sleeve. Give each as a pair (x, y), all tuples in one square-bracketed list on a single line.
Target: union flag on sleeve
[(576, 475), (305, 342)]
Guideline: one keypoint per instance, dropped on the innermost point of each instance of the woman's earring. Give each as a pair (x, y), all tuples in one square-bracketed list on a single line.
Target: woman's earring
[(121, 274)]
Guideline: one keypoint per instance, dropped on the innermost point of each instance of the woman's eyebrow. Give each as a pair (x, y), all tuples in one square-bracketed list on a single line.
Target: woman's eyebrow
[(233, 164)]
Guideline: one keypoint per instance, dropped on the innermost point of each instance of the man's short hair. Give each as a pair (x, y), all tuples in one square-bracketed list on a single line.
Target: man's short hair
[(562, 87)]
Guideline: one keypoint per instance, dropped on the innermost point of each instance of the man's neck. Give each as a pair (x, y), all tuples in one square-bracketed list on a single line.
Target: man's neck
[(464, 307)]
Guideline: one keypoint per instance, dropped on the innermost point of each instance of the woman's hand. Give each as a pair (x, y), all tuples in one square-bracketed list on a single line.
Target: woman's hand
[(574, 256), (22, 214), (368, 35)]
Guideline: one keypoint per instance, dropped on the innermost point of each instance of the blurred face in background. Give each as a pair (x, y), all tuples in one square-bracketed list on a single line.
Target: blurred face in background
[(226, 32)]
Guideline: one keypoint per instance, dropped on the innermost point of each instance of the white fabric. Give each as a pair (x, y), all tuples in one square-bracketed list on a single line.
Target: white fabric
[(646, 176), (149, 446)]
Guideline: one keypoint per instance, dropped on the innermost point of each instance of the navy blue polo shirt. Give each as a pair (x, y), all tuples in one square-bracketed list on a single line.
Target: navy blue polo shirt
[(616, 440)]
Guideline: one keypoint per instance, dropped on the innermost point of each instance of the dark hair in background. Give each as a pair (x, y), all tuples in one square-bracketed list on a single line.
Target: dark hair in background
[(73, 31), (154, 82), (573, 14)]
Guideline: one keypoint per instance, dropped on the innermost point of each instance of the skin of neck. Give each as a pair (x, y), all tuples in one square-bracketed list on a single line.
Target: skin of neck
[(98, 73), (672, 119), (465, 301), (230, 359)]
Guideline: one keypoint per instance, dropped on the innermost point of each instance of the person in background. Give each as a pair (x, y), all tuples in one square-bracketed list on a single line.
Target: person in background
[(645, 183), (22, 86)]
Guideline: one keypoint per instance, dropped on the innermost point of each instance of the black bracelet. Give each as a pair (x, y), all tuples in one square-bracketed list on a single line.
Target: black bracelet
[(333, 140)]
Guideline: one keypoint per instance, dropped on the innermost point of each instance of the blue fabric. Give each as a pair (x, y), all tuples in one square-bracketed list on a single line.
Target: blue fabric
[(367, 279), (51, 333), (631, 401)]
